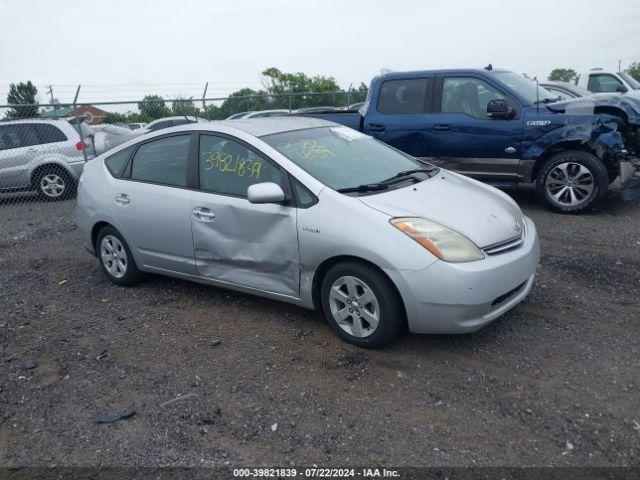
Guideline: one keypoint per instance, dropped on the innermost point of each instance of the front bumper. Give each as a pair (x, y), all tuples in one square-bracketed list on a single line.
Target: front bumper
[(629, 170), (462, 297)]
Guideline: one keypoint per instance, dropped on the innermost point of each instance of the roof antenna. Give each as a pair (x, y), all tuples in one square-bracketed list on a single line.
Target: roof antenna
[(488, 68)]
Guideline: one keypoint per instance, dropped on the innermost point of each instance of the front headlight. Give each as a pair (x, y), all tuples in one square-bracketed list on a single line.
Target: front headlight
[(444, 243)]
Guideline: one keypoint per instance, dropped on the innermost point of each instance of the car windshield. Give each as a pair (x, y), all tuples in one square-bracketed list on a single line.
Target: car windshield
[(633, 83), (524, 87), (583, 92), (342, 158)]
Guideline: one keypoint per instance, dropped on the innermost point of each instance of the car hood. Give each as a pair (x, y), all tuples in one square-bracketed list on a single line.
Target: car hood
[(483, 214), (587, 105)]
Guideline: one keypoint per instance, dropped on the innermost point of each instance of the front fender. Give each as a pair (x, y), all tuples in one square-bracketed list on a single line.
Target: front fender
[(602, 134)]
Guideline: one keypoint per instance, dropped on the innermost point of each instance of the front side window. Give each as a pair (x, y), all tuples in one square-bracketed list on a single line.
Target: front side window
[(162, 161), (341, 157), (603, 83), (230, 168), (18, 135), (468, 95), (405, 96)]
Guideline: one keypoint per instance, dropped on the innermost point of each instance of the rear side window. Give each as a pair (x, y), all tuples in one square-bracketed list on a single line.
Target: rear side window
[(162, 161), (405, 96), (18, 135), (230, 168), (49, 133), (116, 162)]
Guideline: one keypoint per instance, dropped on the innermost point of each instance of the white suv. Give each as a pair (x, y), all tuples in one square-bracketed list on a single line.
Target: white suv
[(42, 155)]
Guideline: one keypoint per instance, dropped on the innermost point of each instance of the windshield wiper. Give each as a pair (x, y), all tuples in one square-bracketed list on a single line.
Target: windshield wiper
[(364, 188), (406, 173)]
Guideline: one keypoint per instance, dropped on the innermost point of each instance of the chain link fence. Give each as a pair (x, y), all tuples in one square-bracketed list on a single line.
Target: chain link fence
[(43, 148)]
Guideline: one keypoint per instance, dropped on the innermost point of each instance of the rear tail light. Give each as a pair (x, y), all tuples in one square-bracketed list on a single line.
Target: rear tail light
[(81, 145)]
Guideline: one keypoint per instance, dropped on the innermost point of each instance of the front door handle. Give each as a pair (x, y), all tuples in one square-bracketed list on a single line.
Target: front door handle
[(203, 214), (376, 127), (442, 127), (510, 150), (122, 199)]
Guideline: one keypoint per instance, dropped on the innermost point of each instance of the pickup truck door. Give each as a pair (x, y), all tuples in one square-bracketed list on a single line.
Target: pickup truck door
[(401, 116), (464, 139)]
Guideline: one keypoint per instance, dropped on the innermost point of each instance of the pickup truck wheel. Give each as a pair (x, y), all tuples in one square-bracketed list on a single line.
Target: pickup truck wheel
[(362, 305), (572, 181)]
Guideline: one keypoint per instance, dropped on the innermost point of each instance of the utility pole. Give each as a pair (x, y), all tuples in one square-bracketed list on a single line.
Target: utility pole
[(619, 65), (51, 94)]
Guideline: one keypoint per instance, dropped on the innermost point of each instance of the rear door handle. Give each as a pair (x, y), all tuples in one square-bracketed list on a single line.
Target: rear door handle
[(442, 127), (203, 214), (122, 199), (376, 127)]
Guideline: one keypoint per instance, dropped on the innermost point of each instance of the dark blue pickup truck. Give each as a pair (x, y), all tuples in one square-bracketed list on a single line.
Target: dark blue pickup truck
[(502, 128)]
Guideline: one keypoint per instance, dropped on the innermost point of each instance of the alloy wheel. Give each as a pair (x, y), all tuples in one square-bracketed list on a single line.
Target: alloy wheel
[(569, 184), (354, 306), (52, 185), (113, 256)]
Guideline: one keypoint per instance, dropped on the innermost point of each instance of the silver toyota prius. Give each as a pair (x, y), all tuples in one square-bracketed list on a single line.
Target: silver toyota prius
[(313, 213)]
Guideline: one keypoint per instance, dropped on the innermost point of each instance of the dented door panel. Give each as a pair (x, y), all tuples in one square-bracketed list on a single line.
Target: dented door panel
[(245, 244)]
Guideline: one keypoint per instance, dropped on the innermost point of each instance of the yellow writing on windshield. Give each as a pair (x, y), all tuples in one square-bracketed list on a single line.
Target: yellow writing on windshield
[(227, 163), (309, 150)]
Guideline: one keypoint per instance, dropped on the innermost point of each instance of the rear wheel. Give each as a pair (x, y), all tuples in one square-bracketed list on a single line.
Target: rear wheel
[(362, 305), (572, 181), (115, 258), (53, 184)]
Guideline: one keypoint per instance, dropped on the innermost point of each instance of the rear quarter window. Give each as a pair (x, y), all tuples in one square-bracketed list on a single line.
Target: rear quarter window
[(115, 163), (49, 133)]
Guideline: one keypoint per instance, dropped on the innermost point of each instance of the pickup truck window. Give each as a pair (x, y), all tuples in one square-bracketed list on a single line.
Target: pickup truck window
[(412, 95), (467, 95), (603, 82), (341, 157), (633, 83)]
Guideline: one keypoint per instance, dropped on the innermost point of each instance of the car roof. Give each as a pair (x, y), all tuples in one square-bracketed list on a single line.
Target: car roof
[(454, 71), (259, 127), (35, 120)]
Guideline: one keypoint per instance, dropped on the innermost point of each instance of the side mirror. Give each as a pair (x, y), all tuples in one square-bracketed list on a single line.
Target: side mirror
[(499, 109), (266, 192), (621, 89)]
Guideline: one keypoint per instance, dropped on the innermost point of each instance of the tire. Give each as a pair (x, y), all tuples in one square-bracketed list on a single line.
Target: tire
[(54, 184), (355, 324), (572, 181), (115, 258)]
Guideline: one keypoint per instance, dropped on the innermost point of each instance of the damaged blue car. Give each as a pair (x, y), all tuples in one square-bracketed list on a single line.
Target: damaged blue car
[(504, 129)]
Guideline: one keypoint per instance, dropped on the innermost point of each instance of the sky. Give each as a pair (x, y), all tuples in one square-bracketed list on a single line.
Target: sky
[(122, 50)]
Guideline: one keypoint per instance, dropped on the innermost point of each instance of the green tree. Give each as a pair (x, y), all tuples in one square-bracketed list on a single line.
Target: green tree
[(23, 96), (184, 106), (279, 84), (634, 70), (115, 117), (564, 75), (153, 107)]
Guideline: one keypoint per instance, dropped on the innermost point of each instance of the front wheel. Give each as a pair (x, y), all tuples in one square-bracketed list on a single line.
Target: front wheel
[(572, 181), (362, 305)]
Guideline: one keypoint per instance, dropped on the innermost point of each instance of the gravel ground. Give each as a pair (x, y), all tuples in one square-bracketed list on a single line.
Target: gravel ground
[(254, 381)]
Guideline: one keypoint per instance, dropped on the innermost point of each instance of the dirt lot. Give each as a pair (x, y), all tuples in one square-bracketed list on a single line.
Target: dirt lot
[(554, 382)]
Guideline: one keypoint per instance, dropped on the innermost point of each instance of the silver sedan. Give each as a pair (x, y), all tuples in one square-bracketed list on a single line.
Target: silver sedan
[(313, 213)]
